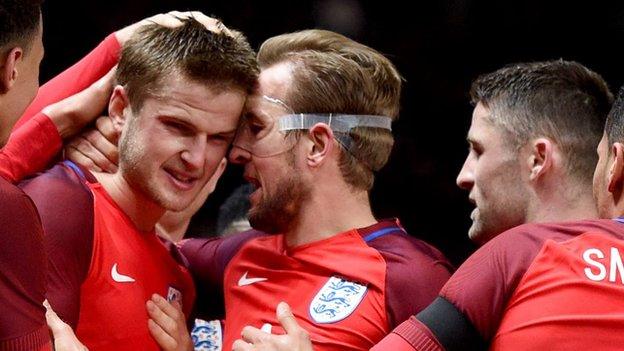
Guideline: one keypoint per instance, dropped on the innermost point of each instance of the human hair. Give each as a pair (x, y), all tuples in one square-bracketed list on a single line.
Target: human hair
[(220, 60), (561, 100), (334, 74), (614, 127), (19, 23)]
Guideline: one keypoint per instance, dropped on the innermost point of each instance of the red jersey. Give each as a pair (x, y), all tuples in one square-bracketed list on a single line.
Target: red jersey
[(535, 287), (348, 290), (102, 292)]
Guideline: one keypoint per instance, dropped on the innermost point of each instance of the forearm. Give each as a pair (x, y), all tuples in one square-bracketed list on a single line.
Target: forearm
[(76, 78)]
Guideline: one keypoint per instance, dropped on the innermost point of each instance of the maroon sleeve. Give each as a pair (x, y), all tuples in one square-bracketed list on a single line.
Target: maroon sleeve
[(415, 274), (22, 273), (484, 283), (65, 205), (207, 259)]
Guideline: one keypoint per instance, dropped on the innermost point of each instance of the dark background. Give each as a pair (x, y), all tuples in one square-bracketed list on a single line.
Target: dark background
[(439, 46)]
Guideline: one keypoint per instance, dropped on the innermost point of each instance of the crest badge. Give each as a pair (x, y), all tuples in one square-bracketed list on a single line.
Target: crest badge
[(336, 300)]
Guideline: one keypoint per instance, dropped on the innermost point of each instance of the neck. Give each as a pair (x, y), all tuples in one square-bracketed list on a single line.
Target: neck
[(564, 205), (175, 232), (329, 213), (143, 212)]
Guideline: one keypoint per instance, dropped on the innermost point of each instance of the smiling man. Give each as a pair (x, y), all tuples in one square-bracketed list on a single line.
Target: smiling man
[(180, 97)]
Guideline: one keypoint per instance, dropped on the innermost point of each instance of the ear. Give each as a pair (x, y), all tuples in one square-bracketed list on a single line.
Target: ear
[(116, 107), (9, 73), (616, 168), (540, 157), (322, 138)]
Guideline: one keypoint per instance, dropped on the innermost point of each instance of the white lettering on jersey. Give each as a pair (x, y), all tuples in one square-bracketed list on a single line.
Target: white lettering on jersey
[(616, 266), (588, 271)]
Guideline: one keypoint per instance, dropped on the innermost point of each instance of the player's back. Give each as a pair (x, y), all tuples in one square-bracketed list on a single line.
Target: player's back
[(570, 297)]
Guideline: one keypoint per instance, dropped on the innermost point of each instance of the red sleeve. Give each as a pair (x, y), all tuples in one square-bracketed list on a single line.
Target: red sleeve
[(484, 283), (207, 259), (76, 78), (65, 205), (29, 149), (410, 335), (22, 273), (33, 144)]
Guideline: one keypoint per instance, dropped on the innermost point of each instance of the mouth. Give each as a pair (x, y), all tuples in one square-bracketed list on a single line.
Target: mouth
[(253, 197), (182, 180)]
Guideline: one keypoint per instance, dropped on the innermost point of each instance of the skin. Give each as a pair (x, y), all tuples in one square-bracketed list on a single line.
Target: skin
[(19, 82), (492, 175)]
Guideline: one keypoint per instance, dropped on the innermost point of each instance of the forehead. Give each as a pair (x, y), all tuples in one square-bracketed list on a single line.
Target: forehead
[(196, 103), (274, 82), (481, 126)]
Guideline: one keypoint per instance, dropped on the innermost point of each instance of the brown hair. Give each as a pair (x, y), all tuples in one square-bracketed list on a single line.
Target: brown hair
[(218, 59), (561, 100), (334, 74)]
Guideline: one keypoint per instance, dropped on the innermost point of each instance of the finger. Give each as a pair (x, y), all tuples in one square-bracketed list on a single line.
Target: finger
[(167, 307), (164, 340), (254, 335), (165, 322), (286, 318), (74, 155), (91, 151), (240, 345), (108, 149), (106, 127)]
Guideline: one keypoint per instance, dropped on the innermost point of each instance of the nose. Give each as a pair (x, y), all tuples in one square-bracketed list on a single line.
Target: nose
[(194, 157), (239, 155), (465, 178)]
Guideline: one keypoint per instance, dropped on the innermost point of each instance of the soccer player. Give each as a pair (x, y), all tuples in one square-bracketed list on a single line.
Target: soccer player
[(314, 132), (180, 96), (534, 131), (22, 257), (550, 286)]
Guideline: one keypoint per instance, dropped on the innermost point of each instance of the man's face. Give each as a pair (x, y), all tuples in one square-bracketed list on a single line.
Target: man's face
[(269, 156), (491, 173), (601, 192), (26, 85), (170, 149)]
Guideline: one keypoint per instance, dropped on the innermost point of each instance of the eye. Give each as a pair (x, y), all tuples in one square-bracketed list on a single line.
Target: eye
[(177, 127), (475, 149)]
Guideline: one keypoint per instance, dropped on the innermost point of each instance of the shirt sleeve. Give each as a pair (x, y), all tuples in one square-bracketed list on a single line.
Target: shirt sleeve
[(65, 205), (35, 139), (22, 273), (207, 260), (415, 274), (76, 78), (469, 309), (29, 149)]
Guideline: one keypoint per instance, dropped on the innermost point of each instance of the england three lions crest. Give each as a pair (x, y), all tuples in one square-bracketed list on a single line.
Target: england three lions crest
[(336, 300)]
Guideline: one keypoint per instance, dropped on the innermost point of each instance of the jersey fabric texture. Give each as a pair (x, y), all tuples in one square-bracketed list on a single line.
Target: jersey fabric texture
[(22, 273), (535, 287), (348, 290), (101, 268)]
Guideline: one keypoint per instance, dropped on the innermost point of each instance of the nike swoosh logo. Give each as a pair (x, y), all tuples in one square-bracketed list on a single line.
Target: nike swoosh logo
[(248, 281), (120, 278)]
